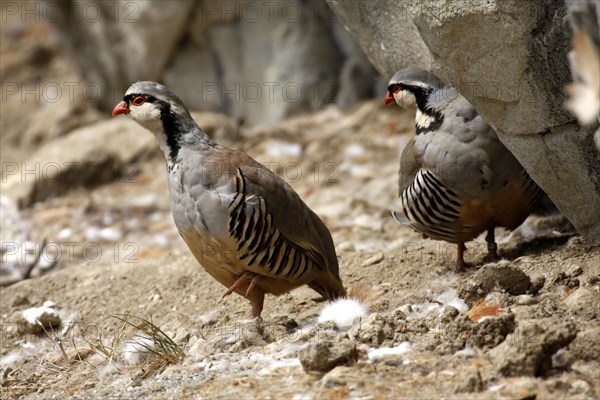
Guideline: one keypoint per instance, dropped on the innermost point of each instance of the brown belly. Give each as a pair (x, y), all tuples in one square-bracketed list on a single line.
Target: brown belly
[(222, 261), (507, 208)]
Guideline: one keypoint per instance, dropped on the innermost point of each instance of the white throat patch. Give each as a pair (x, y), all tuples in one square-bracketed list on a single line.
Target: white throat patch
[(148, 116), (423, 120), (405, 99)]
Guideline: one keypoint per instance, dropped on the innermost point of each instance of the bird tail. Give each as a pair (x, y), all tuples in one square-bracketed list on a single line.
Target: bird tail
[(328, 286), (400, 218), (333, 290)]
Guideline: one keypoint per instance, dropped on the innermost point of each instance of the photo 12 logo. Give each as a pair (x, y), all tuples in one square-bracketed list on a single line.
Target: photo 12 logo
[(57, 12), (70, 172), (51, 92), (270, 92), (251, 11), (21, 253)]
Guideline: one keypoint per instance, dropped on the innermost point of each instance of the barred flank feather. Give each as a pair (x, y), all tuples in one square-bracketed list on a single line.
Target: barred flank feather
[(262, 244), (430, 207)]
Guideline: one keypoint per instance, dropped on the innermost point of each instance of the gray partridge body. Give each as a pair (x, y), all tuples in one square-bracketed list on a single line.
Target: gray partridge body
[(456, 178), (246, 226)]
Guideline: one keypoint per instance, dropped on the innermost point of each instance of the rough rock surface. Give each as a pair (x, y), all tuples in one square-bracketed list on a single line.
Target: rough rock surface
[(584, 295), (42, 95), (385, 31), (127, 41), (529, 349), (509, 59), (104, 152), (586, 344), (255, 61), (504, 277), (324, 356)]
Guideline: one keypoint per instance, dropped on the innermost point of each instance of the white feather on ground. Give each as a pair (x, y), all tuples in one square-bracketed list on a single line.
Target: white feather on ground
[(46, 316), (135, 350), (343, 312), (448, 298), (381, 352)]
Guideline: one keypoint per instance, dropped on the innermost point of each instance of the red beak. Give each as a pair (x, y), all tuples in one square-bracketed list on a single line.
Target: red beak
[(387, 99), (121, 108)]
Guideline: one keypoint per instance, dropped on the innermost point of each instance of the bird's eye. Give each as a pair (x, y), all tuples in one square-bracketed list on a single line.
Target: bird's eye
[(396, 88), (138, 101)]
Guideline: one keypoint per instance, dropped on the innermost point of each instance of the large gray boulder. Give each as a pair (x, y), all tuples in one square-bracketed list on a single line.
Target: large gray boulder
[(257, 61), (386, 33), (108, 151), (42, 96), (119, 42), (509, 58)]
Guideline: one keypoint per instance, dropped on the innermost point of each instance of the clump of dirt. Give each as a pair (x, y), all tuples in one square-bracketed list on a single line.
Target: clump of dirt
[(505, 277)]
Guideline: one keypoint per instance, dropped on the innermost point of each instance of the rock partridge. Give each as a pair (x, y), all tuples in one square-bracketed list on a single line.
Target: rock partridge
[(457, 179), (246, 226)]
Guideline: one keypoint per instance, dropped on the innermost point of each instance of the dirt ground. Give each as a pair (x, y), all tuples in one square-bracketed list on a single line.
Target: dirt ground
[(527, 327)]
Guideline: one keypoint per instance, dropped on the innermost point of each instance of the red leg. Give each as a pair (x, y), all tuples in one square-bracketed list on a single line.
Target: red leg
[(241, 281), (253, 283), (492, 254), (257, 300), (256, 297), (460, 260)]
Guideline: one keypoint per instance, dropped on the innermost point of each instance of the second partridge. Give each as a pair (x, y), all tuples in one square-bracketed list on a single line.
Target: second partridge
[(457, 179)]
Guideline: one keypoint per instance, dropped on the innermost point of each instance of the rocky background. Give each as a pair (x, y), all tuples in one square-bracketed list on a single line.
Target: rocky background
[(91, 261)]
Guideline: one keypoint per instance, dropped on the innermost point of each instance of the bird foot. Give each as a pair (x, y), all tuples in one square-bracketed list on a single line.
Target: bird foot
[(260, 327), (460, 260), (253, 283), (492, 255), (461, 266), (241, 281), (257, 306)]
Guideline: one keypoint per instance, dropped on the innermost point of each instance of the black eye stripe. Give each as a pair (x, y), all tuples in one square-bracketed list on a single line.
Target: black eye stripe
[(393, 88), (128, 98)]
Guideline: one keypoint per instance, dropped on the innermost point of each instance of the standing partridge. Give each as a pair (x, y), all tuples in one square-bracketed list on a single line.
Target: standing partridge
[(457, 179), (246, 226)]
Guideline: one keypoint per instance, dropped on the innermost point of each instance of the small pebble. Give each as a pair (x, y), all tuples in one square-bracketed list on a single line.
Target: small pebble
[(374, 259), (594, 280), (324, 356), (110, 234), (526, 300), (574, 270), (405, 309), (345, 246), (64, 234), (537, 283), (368, 222)]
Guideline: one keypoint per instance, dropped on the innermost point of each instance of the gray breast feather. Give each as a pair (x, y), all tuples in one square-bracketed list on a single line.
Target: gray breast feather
[(196, 206)]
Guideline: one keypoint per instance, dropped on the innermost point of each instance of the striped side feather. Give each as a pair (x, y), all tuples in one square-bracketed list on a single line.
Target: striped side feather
[(259, 241), (430, 207)]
